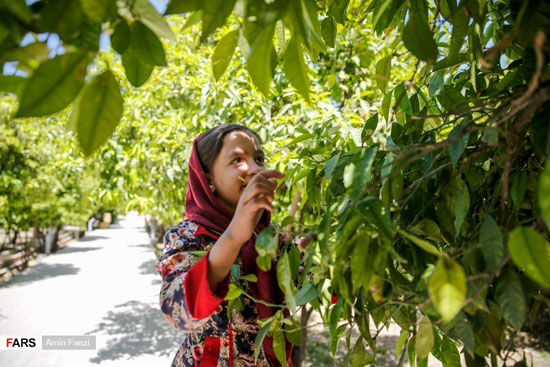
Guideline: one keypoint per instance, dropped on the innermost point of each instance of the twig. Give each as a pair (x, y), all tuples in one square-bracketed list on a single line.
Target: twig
[(263, 302), (537, 45), (493, 272), (293, 208)]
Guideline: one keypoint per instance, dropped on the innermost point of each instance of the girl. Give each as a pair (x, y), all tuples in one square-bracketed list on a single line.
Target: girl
[(228, 202)]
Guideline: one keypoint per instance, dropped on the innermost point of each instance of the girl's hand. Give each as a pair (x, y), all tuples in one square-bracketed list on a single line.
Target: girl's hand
[(256, 197)]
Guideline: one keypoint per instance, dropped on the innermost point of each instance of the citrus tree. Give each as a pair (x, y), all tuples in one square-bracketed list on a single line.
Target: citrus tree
[(43, 180), (418, 147)]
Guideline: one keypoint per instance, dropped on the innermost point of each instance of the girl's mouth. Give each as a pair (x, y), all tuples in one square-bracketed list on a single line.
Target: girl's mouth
[(244, 184)]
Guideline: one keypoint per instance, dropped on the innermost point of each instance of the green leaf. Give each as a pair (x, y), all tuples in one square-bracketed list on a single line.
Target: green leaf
[(312, 188), (235, 272), (410, 353), (457, 146), (349, 173), (294, 258), (136, 70), (544, 194), (331, 164), (279, 346), (250, 277), (264, 262), (193, 19), (306, 294), (463, 331), (460, 30), (259, 340), (370, 127), (386, 106), (529, 251), (462, 205), (214, 15), (363, 261), (120, 39), (146, 45), (449, 352), (53, 85), (519, 187), (19, 8), (288, 220), (284, 278), (400, 94), (223, 53), (295, 68), (98, 111), (310, 15), (377, 214), (424, 339), (182, 6), (259, 59), (64, 17), (12, 84), (423, 244), (428, 228), (338, 10), (267, 242), (436, 84), (359, 356), (379, 12), (452, 60), (447, 287), (401, 342), (490, 242), (383, 73), (98, 10), (419, 40), (293, 333), (328, 31), (33, 52), (145, 12), (363, 172), (334, 317), (233, 292), (510, 298)]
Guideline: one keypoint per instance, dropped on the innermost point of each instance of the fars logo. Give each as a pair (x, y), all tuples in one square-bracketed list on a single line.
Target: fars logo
[(18, 342)]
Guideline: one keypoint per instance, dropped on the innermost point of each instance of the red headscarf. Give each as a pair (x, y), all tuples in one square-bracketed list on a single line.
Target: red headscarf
[(203, 207)]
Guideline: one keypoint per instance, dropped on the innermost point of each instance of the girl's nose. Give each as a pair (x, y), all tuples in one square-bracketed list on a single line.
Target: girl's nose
[(254, 168)]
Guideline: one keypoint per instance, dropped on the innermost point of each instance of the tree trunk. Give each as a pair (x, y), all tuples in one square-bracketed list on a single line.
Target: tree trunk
[(14, 241), (300, 356), (55, 246)]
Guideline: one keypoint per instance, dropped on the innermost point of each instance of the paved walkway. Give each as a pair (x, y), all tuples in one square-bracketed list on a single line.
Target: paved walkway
[(105, 285)]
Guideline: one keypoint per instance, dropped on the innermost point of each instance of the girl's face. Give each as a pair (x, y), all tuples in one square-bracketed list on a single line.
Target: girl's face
[(240, 156)]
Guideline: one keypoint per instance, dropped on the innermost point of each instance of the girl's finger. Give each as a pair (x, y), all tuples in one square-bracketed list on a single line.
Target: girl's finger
[(256, 189), (271, 173), (267, 176), (259, 202)]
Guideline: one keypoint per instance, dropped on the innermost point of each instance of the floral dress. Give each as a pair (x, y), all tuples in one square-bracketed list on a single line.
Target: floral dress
[(188, 303)]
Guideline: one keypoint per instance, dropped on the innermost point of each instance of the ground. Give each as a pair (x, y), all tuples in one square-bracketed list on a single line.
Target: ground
[(105, 285)]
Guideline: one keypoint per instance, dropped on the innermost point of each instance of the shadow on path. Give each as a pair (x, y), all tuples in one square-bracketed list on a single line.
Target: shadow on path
[(148, 267), (92, 238), (40, 272), (70, 250), (136, 328)]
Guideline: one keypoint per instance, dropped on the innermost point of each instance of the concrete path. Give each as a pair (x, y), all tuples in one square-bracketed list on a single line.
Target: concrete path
[(104, 285)]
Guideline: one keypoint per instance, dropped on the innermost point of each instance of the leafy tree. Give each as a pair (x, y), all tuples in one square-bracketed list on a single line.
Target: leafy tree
[(419, 146)]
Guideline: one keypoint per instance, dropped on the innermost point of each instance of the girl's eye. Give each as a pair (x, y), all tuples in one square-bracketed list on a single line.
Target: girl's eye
[(236, 160), (261, 160)]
